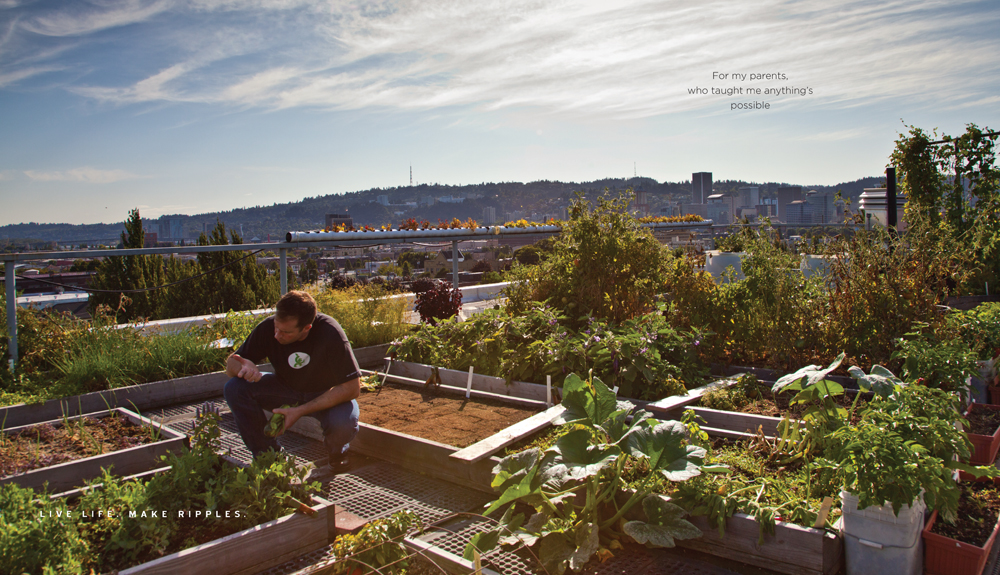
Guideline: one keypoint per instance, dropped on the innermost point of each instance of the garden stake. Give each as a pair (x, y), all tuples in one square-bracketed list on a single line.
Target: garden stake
[(824, 510), (468, 385), (548, 391)]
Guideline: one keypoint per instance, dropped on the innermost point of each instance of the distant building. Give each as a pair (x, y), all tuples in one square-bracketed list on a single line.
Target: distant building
[(170, 228), (489, 215), (786, 196), (428, 201), (701, 187), (383, 199), (339, 220), (749, 197), (721, 208), (443, 260)]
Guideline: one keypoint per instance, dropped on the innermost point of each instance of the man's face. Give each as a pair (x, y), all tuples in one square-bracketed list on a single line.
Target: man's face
[(287, 331)]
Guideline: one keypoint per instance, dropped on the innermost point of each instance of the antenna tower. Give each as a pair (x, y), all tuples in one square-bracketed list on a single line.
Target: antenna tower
[(411, 175)]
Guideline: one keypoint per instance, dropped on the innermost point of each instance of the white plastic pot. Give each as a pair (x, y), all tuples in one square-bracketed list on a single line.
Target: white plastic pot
[(878, 542)]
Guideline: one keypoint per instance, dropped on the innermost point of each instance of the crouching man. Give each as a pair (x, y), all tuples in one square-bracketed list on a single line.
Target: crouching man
[(315, 370)]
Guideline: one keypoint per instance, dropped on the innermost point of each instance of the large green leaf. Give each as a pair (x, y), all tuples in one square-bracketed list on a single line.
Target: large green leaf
[(664, 447), (587, 403), (555, 552), (806, 377), (880, 380), (513, 468), (582, 458), (665, 524), (618, 426), (587, 543), (487, 540)]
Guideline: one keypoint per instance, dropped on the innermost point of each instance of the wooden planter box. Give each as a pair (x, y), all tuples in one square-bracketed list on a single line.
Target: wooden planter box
[(71, 474), (140, 397), (251, 550), (792, 549), (372, 355), (984, 447), (946, 556)]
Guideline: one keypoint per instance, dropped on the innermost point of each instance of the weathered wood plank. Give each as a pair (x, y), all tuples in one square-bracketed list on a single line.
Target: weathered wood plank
[(371, 356), (72, 474), (454, 378), (512, 434), (675, 402), (248, 551), (792, 549), (735, 421)]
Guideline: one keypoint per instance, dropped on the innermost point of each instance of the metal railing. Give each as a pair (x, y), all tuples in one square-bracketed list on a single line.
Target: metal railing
[(296, 240)]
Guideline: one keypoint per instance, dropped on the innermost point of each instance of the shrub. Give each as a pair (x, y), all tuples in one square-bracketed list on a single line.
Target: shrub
[(367, 314), (644, 357), (603, 264), (979, 328), (936, 360), (439, 302), (421, 285)]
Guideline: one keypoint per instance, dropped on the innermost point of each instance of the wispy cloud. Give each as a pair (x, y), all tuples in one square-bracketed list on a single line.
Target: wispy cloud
[(77, 18), (628, 59), (86, 175), (8, 78)]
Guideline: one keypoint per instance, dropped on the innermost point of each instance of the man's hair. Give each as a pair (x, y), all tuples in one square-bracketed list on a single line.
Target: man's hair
[(297, 304)]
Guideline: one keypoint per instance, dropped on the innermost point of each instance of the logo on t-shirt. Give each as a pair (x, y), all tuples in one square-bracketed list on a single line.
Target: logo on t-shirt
[(298, 360)]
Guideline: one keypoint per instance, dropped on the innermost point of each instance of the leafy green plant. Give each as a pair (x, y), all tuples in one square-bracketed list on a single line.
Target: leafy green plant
[(979, 328), (603, 265), (935, 362), (743, 392), (377, 547), (35, 535), (645, 357), (368, 315), (903, 445), (573, 485)]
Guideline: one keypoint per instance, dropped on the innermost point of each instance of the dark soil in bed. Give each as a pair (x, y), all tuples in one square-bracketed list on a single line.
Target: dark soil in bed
[(977, 514), (432, 414), (47, 444), (984, 421)]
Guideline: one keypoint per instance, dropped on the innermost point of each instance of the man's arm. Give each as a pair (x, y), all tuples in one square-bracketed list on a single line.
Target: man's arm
[(237, 366), (336, 395)]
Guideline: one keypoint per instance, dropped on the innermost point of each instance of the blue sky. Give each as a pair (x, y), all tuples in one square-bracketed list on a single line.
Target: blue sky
[(188, 106)]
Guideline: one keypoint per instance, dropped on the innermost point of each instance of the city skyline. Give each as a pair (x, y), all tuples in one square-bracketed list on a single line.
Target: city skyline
[(187, 107)]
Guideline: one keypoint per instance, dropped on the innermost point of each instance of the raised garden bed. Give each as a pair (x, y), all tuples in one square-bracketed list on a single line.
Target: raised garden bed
[(251, 550), (437, 415), (69, 449), (792, 549), (141, 397)]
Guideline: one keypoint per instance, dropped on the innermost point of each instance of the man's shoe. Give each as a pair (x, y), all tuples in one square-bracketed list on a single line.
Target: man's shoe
[(341, 465)]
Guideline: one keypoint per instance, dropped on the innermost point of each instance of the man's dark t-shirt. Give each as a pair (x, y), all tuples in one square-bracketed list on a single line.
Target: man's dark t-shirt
[(317, 363)]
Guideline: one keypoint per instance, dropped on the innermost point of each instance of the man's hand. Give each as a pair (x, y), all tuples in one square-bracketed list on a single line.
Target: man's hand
[(237, 366), (292, 414)]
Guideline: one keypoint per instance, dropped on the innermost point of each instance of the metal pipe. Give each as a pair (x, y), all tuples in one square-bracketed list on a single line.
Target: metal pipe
[(890, 197), (454, 264), (11, 314), (283, 266)]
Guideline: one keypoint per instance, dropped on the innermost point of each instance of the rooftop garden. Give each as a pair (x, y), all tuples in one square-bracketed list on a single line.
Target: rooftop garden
[(879, 370)]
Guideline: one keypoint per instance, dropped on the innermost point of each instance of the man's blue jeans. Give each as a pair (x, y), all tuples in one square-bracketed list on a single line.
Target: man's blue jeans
[(247, 400)]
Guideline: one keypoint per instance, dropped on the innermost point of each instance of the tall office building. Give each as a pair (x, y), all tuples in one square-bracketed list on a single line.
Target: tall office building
[(749, 197), (701, 187), (786, 196), (489, 215)]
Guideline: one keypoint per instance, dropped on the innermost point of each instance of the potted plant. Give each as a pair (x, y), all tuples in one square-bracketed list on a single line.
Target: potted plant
[(963, 548), (984, 432), (901, 454)]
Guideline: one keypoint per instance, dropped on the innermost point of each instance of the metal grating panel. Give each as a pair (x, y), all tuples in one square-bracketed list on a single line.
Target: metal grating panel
[(454, 536), (185, 410)]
